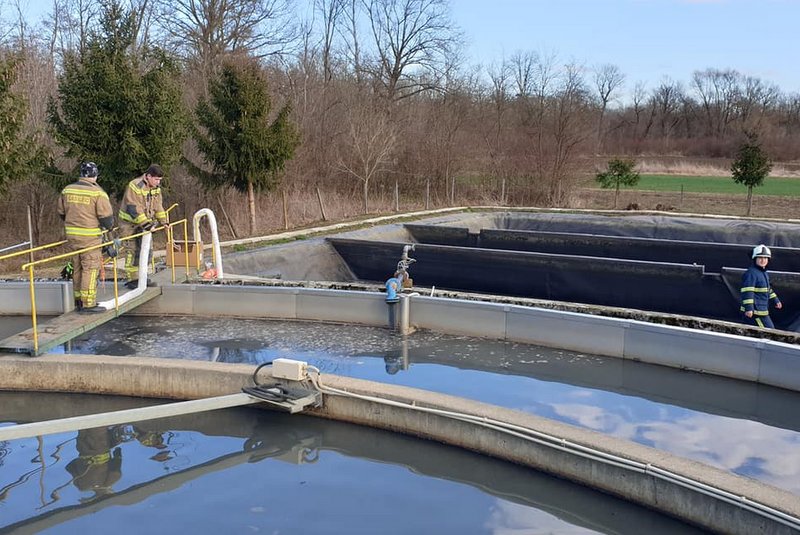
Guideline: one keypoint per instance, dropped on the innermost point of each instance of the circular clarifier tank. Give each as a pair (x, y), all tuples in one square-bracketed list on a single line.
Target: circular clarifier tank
[(253, 471), (730, 424)]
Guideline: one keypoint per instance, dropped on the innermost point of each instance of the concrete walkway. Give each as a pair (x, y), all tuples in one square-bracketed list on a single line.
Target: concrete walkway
[(68, 326)]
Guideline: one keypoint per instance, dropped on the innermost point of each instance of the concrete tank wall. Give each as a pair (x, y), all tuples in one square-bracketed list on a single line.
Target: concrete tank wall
[(51, 298), (763, 361)]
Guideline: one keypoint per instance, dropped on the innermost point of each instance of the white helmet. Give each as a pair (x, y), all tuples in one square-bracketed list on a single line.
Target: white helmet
[(761, 251)]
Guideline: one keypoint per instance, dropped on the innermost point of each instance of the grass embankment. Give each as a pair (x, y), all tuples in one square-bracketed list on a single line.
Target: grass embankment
[(779, 186)]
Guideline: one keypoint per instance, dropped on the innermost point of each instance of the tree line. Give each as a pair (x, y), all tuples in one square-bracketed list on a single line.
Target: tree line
[(238, 98)]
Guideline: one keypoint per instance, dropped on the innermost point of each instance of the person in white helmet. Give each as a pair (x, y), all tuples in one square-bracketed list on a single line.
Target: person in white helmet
[(756, 290)]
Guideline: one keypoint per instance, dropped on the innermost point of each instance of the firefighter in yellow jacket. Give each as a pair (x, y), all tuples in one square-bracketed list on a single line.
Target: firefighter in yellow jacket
[(142, 209), (99, 463), (86, 211)]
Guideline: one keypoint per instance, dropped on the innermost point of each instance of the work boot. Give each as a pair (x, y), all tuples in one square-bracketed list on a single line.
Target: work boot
[(78, 305), (97, 309)]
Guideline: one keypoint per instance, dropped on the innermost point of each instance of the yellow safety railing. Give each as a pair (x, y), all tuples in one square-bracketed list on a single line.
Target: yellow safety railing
[(213, 252), (29, 267), (171, 246)]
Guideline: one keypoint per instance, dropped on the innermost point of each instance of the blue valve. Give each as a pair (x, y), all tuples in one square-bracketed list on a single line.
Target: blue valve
[(392, 287)]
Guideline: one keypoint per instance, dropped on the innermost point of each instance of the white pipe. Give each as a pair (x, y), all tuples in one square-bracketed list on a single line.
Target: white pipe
[(67, 300), (14, 246), (144, 260), (405, 314), (212, 221), (76, 423)]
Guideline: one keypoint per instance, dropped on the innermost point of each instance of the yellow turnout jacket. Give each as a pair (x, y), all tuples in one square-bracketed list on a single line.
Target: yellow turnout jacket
[(142, 203), (85, 207)]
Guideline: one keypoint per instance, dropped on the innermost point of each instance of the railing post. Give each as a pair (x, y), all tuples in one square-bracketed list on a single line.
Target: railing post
[(116, 284), (186, 246), (30, 232), (33, 312)]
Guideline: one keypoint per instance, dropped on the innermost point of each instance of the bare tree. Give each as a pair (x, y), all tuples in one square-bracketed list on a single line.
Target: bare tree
[(413, 40), (313, 93), (144, 12), (69, 23), (570, 121), (638, 107), (207, 30), (608, 79), (534, 76), (351, 37), (667, 99), (756, 99), (789, 108), (445, 116), (19, 32), (523, 65), (554, 114), (331, 12), (371, 138), (718, 91), (499, 99)]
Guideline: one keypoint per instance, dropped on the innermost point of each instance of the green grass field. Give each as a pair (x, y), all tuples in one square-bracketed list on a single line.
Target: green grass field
[(784, 187)]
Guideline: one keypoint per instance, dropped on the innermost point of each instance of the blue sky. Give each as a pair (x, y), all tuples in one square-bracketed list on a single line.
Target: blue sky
[(647, 39)]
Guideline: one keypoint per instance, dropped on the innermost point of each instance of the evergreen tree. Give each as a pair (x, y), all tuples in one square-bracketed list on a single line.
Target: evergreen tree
[(751, 166), (619, 173), (119, 105), (20, 152), (243, 147)]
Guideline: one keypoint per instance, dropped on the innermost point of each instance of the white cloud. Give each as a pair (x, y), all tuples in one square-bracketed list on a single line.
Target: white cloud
[(509, 518), (772, 454)]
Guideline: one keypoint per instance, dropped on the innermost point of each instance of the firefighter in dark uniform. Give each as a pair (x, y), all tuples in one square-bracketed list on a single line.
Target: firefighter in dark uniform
[(757, 292), (86, 211), (142, 209)]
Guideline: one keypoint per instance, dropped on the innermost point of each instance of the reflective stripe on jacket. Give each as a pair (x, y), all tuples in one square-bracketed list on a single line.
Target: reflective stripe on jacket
[(141, 204), (83, 205)]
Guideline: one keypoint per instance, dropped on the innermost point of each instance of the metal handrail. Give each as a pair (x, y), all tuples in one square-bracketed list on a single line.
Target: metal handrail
[(84, 250), (4, 249), (28, 251), (30, 266), (171, 246)]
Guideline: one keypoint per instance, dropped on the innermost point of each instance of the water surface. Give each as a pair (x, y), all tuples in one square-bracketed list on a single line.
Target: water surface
[(253, 471), (749, 429)]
